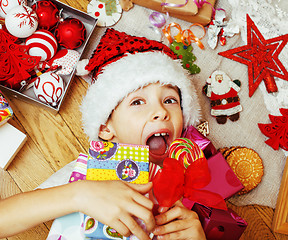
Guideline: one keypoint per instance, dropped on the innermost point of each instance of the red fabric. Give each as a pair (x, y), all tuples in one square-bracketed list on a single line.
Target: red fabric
[(173, 183), (277, 130), (114, 45), (261, 57), (168, 184), (231, 93)]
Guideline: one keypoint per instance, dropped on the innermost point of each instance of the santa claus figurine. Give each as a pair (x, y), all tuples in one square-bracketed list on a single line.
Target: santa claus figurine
[(223, 93)]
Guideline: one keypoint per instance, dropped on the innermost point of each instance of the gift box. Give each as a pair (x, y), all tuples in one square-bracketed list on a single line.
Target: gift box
[(190, 12), (77, 226), (11, 141), (220, 224), (115, 161), (28, 95), (223, 179), (6, 111)]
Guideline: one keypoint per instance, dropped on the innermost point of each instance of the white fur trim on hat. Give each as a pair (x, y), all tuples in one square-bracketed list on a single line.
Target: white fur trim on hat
[(128, 74)]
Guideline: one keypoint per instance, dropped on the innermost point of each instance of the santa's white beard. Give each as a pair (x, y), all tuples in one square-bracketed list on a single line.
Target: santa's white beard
[(220, 88)]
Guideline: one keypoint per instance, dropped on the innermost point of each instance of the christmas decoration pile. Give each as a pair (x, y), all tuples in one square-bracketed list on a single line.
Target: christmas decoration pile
[(37, 46)]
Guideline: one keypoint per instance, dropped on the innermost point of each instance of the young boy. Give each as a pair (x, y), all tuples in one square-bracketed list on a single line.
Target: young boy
[(141, 95)]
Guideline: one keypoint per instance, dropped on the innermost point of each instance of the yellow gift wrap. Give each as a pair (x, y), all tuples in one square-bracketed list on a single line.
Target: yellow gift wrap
[(114, 161)]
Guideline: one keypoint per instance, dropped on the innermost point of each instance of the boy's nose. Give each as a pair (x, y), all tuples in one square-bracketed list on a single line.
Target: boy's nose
[(160, 113)]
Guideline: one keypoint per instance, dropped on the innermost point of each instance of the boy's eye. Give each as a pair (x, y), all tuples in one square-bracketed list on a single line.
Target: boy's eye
[(170, 101), (137, 102)]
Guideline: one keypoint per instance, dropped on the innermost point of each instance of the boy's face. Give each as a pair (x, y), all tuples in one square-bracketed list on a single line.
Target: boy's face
[(149, 116)]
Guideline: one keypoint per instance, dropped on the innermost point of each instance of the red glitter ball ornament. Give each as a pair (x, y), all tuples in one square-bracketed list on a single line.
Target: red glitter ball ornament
[(48, 14), (70, 33)]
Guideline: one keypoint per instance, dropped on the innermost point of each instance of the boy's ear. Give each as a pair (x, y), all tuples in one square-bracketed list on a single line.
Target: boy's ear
[(105, 133)]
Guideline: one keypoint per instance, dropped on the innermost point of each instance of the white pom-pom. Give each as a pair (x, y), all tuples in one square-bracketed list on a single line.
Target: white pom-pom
[(80, 68)]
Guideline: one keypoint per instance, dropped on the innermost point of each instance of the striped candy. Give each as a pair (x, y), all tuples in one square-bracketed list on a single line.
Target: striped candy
[(43, 44), (185, 150)]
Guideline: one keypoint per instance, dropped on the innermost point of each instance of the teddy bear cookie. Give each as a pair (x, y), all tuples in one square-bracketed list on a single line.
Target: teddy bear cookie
[(246, 164)]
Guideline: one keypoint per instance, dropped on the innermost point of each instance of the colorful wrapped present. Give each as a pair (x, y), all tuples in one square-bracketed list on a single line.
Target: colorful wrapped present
[(192, 11), (5, 110), (106, 161), (115, 161), (220, 224)]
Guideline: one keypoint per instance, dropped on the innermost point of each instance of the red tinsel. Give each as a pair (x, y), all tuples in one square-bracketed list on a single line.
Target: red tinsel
[(261, 57)]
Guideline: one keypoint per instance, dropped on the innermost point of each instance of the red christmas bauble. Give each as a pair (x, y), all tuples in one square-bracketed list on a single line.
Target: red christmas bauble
[(48, 14), (70, 33)]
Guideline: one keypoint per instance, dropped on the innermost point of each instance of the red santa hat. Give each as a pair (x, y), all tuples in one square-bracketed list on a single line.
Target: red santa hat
[(122, 64)]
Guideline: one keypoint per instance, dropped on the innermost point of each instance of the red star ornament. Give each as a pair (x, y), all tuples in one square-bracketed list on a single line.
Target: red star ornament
[(261, 57)]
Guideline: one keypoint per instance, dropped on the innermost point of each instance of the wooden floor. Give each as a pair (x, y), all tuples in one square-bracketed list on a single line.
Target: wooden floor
[(55, 140)]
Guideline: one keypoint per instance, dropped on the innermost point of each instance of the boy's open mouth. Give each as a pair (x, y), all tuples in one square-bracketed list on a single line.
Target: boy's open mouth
[(158, 144)]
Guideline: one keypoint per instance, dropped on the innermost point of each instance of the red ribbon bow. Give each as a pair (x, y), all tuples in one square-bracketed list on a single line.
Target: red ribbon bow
[(174, 182)]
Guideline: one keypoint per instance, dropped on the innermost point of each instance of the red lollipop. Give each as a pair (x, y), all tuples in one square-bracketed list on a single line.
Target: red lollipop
[(70, 33), (48, 14)]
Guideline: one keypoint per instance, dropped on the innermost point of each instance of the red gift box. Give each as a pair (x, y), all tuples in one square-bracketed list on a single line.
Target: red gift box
[(220, 224), (223, 179)]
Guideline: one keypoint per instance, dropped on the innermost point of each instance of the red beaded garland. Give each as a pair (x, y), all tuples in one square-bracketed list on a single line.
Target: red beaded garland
[(70, 33), (48, 14)]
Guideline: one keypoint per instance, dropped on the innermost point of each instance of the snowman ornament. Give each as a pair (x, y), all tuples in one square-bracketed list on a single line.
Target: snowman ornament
[(223, 95)]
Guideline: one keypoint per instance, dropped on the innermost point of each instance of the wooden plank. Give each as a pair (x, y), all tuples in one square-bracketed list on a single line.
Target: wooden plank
[(8, 188), (70, 111), (26, 174), (280, 220), (49, 132), (80, 5), (30, 168), (257, 228), (37, 233)]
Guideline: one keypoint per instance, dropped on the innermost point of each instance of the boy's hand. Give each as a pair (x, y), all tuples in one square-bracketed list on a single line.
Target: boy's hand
[(116, 203), (178, 223)]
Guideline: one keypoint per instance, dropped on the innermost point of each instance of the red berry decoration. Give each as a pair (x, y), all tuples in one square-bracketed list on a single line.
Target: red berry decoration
[(70, 33), (48, 14)]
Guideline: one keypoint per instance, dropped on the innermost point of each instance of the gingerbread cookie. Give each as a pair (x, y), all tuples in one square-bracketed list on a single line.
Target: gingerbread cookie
[(247, 165)]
